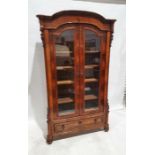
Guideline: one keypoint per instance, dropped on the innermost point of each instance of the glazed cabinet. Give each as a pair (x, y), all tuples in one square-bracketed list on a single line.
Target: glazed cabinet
[(76, 50)]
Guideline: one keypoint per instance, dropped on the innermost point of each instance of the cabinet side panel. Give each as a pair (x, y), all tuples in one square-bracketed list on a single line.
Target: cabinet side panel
[(47, 57), (102, 69), (106, 106)]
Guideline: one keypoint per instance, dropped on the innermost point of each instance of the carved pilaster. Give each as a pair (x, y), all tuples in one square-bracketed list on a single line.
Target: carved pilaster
[(42, 37), (111, 38), (48, 115), (49, 122), (106, 125)]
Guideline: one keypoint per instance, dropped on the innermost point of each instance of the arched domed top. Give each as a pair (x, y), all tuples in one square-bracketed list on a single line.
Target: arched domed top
[(76, 13), (74, 16)]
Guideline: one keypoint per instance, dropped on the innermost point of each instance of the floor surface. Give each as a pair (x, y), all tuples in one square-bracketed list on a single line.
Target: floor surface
[(97, 143)]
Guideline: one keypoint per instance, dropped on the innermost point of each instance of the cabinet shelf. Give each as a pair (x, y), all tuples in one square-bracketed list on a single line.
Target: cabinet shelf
[(65, 82), (65, 100), (91, 109), (71, 67), (91, 80), (64, 67), (88, 52), (91, 66), (63, 52), (69, 99), (90, 97), (66, 112)]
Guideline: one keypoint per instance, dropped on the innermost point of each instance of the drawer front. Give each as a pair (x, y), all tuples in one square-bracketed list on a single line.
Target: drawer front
[(78, 125), (66, 126)]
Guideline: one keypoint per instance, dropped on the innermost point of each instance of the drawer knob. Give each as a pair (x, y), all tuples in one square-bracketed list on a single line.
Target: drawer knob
[(95, 120), (63, 126), (80, 122), (98, 120)]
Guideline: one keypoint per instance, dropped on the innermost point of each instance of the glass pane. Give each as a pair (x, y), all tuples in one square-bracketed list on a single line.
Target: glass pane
[(92, 72), (64, 46)]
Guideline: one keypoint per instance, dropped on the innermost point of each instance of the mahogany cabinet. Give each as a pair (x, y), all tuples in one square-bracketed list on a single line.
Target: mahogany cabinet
[(76, 50)]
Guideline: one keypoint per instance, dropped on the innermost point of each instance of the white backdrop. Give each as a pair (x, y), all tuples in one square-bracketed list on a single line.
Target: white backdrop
[(37, 80)]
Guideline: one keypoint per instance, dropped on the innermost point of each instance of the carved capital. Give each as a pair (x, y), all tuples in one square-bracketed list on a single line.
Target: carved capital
[(42, 37), (111, 38)]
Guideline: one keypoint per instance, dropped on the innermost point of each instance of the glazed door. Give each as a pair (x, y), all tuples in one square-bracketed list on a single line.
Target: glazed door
[(92, 69), (79, 70), (66, 69)]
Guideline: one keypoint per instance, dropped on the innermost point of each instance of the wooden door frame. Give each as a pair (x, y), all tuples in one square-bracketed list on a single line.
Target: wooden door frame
[(53, 35), (101, 36)]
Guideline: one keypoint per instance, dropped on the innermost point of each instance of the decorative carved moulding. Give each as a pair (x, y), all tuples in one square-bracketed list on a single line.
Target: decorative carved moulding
[(75, 17)]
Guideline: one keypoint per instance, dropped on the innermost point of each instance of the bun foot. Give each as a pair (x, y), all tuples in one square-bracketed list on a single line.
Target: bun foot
[(49, 140), (106, 128)]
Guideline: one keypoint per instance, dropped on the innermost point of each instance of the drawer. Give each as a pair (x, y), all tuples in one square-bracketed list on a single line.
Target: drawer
[(92, 121), (66, 126), (78, 125)]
